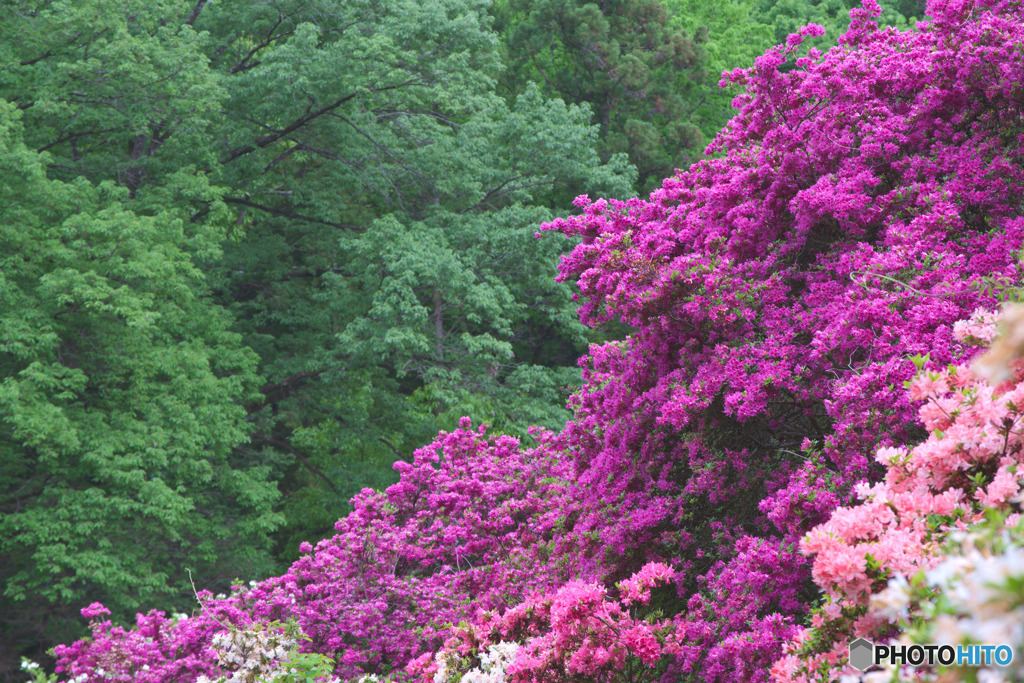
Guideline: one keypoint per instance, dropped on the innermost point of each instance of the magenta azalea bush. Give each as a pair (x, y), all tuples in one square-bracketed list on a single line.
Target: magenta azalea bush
[(862, 202), (469, 527)]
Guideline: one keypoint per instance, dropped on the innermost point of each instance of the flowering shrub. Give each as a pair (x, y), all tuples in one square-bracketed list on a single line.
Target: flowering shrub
[(971, 594), (221, 645), (36, 672), (864, 201), (159, 648), (494, 662), (267, 653), (980, 582), (965, 470), (468, 528), (573, 633)]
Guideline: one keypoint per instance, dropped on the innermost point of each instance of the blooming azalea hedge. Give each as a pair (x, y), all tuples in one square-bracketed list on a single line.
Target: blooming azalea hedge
[(468, 528), (862, 202)]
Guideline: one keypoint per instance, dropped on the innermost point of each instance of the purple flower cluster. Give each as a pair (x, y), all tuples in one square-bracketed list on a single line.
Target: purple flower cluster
[(470, 527), (862, 202)]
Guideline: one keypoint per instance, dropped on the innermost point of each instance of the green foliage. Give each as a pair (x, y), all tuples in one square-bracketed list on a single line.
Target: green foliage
[(737, 33), (379, 201), (36, 673), (121, 386), (389, 277), (639, 73), (787, 16), (113, 89)]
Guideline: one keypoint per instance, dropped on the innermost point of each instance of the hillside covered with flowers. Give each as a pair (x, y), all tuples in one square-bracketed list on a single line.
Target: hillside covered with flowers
[(777, 457)]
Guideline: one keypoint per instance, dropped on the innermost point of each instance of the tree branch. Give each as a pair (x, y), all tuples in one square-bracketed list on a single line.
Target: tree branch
[(306, 118), (195, 12), (291, 214), (281, 443), (292, 127), (274, 392), (390, 445)]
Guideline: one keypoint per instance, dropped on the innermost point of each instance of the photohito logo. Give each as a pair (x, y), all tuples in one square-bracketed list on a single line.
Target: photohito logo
[(865, 654)]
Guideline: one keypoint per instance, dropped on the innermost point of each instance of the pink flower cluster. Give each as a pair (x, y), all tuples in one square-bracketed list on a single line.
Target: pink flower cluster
[(970, 463), (159, 649), (574, 632)]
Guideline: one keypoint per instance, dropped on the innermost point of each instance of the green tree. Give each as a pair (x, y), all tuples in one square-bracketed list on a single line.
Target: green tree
[(121, 391), (382, 198), (115, 90), (787, 16), (638, 72), (737, 33), (388, 274)]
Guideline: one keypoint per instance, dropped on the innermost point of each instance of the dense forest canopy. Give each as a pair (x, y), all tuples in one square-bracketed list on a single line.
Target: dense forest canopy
[(261, 258)]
